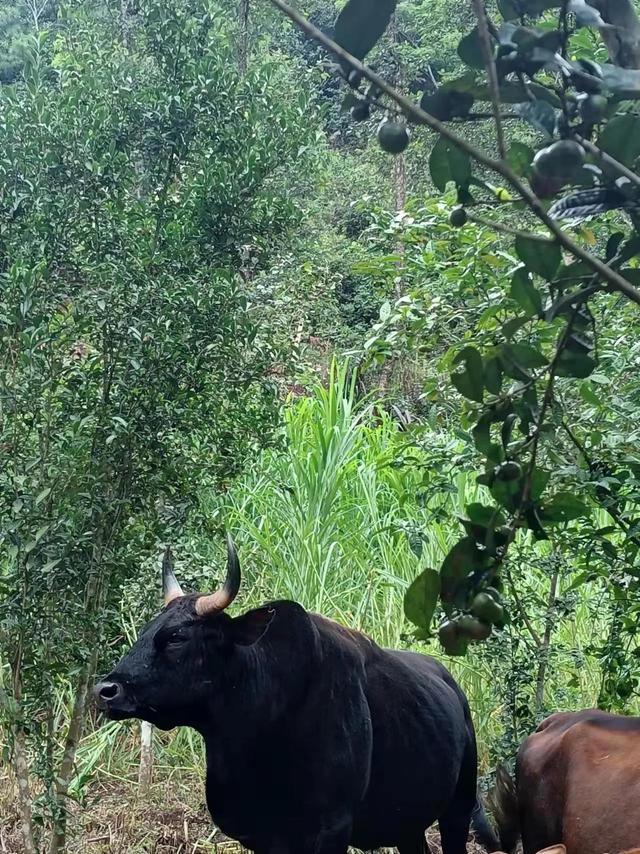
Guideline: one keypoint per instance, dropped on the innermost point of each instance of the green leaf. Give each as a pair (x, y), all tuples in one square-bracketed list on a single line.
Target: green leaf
[(539, 481), (563, 507), (42, 495), (446, 104), (484, 514), (621, 138), (623, 82), (465, 385), (461, 560), (513, 325), (482, 434), (511, 92), (519, 157), (421, 599), (361, 23), (439, 165), (473, 361), (512, 9), (524, 355), (573, 363), (470, 49), (589, 396), (469, 382), (493, 375), (539, 256), (448, 163), (459, 164), (524, 292), (507, 493), (539, 114)]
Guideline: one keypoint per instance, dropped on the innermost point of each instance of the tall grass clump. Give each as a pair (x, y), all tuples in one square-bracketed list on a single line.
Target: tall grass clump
[(330, 522)]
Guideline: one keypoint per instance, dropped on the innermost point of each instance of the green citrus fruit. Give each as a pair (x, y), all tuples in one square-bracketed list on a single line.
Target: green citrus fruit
[(485, 608), (509, 471), (360, 111), (473, 628), (560, 160), (393, 137), (458, 217)]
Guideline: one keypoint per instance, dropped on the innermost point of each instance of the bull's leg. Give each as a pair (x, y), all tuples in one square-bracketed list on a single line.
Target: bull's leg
[(454, 830), (455, 821), (417, 845)]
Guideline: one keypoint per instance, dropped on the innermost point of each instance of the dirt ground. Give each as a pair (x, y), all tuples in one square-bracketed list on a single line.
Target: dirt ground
[(173, 820)]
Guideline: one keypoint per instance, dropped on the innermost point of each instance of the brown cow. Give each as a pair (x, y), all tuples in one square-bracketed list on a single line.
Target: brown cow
[(560, 849), (578, 781)]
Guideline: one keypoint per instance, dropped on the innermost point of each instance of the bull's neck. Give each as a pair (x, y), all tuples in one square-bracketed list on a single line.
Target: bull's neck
[(264, 685)]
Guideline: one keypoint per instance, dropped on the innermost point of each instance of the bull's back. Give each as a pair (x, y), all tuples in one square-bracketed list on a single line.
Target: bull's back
[(579, 783)]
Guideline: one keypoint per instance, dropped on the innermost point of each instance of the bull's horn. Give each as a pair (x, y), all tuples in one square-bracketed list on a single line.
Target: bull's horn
[(170, 587), (224, 595)]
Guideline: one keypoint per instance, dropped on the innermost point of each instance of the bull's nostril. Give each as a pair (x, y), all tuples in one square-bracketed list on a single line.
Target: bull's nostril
[(108, 690)]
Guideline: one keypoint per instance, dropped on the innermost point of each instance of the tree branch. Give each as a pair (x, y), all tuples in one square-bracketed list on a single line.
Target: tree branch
[(492, 74), (613, 279), (506, 229), (610, 161), (622, 38)]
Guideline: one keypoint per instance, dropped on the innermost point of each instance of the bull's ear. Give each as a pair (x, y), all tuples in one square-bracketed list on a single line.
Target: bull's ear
[(250, 627)]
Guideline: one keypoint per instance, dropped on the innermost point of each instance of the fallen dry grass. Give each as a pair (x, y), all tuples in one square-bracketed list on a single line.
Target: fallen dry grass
[(113, 820)]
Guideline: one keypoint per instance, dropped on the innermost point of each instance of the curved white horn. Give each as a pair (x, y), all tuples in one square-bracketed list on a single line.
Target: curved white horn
[(225, 594), (170, 587)]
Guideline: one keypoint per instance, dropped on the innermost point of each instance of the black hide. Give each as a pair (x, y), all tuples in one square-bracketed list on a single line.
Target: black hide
[(316, 738)]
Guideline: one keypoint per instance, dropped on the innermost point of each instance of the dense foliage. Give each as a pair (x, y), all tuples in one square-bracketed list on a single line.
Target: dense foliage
[(134, 169), (196, 216), (544, 329)]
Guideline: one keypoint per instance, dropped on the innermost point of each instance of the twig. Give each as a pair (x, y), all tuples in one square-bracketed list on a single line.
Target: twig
[(576, 298), (506, 229), (611, 509), (419, 116), (525, 618), (609, 160), (492, 74), (483, 117)]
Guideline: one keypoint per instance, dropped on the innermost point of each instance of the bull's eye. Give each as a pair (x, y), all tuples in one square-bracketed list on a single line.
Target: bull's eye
[(175, 640)]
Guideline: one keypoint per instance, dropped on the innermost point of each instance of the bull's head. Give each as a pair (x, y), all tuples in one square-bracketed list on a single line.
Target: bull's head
[(183, 659)]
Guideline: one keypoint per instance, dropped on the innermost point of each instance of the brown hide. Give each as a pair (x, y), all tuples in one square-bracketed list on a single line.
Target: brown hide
[(579, 781), (560, 849)]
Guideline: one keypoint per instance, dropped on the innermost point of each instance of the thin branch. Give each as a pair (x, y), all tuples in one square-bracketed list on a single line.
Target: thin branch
[(492, 74), (483, 117), (614, 280), (612, 509), (620, 168), (576, 298), (549, 623), (506, 229), (521, 610)]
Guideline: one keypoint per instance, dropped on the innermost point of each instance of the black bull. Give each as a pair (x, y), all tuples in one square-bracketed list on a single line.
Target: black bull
[(315, 737)]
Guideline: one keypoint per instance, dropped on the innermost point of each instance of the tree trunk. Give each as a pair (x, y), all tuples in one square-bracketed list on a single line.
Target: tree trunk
[(243, 35), (543, 651), (65, 774), (399, 184), (19, 760), (146, 759), (21, 771), (622, 38)]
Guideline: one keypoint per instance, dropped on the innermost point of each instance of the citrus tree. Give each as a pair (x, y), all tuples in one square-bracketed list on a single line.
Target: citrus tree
[(559, 84)]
